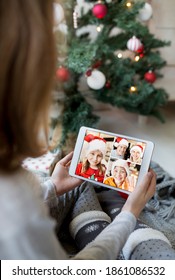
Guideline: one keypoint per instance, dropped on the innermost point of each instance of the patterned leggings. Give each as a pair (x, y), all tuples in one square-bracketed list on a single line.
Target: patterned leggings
[(144, 243), (101, 208)]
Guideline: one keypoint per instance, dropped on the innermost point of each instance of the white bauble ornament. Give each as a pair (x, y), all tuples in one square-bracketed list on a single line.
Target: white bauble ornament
[(146, 12), (58, 13), (134, 44), (96, 80)]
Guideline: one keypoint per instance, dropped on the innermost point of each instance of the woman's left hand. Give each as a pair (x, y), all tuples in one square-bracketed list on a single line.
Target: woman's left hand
[(60, 177)]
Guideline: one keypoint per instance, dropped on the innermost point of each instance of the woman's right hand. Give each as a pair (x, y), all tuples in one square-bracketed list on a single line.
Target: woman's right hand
[(141, 194)]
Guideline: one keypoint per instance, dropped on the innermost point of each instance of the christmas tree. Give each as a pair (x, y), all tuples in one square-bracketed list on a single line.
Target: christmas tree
[(120, 60)]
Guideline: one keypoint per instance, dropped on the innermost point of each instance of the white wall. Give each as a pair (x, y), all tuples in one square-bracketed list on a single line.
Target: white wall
[(162, 25)]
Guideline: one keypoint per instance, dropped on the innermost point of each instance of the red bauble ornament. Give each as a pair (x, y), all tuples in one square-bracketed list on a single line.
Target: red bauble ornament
[(141, 49), (63, 74), (108, 84), (88, 72), (99, 10), (141, 55), (97, 64), (150, 77)]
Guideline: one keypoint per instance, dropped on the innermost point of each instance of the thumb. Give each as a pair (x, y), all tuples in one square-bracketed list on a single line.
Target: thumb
[(146, 180), (148, 185)]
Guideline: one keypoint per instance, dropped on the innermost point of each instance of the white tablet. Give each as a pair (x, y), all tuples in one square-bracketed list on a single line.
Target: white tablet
[(110, 160)]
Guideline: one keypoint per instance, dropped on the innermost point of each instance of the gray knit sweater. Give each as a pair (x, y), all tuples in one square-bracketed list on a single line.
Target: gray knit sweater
[(27, 231)]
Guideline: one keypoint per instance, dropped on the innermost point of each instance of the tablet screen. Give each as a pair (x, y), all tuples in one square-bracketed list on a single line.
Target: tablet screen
[(110, 159)]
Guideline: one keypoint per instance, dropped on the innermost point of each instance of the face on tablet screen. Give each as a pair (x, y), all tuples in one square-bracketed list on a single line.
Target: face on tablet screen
[(111, 160)]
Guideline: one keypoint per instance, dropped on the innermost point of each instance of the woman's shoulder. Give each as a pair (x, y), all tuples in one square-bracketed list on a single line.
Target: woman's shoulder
[(20, 184)]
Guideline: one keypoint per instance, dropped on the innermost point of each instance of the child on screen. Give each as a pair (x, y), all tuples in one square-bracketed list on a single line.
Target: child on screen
[(91, 166)]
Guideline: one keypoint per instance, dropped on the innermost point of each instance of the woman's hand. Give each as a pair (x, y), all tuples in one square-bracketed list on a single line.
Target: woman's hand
[(141, 194), (60, 177)]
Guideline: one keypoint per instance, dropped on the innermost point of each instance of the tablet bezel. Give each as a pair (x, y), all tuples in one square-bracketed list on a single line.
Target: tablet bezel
[(78, 148)]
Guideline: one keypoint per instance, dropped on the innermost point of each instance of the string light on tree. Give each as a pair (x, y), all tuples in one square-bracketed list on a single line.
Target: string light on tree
[(129, 4), (133, 89), (139, 54), (137, 58), (119, 55), (99, 10), (75, 19), (99, 28)]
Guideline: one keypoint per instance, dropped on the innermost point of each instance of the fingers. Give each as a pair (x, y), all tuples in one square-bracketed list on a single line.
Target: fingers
[(152, 186), (152, 183), (148, 185), (147, 180), (66, 160)]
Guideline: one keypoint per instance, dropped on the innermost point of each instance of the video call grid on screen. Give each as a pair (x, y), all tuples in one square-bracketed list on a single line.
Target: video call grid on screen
[(109, 157)]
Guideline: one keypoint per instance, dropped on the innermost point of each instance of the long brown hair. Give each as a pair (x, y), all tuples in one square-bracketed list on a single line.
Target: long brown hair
[(27, 56), (86, 165)]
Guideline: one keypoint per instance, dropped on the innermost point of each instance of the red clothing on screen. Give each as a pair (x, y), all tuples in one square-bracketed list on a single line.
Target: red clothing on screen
[(90, 173)]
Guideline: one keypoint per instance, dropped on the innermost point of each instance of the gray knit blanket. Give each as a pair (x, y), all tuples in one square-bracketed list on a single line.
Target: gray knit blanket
[(159, 213)]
